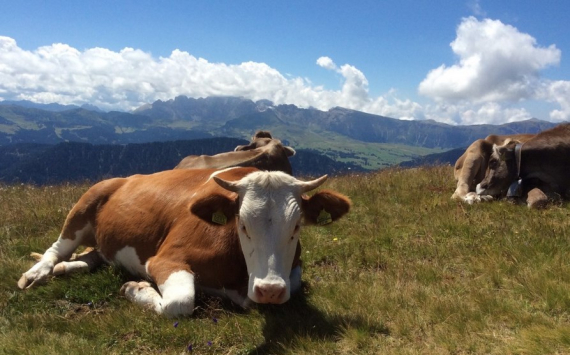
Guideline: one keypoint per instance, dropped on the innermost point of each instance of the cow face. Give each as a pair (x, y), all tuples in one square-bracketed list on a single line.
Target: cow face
[(268, 223), (501, 172)]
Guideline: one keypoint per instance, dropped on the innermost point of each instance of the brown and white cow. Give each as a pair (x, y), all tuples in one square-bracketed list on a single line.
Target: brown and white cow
[(232, 232), (264, 152), (542, 164), (471, 167)]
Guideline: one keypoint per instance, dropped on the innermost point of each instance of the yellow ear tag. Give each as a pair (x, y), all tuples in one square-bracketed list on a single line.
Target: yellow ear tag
[(219, 217), (324, 218)]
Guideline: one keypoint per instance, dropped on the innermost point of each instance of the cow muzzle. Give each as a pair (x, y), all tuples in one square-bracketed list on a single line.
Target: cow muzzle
[(274, 292)]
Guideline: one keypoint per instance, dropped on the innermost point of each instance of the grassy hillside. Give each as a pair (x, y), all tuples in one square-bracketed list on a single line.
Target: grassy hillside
[(408, 271)]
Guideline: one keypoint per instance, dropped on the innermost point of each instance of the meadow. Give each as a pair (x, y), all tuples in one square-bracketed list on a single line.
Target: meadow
[(407, 271)]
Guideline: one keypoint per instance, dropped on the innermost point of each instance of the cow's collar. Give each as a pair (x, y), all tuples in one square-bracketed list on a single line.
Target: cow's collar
[(518, 149), (515, 190)]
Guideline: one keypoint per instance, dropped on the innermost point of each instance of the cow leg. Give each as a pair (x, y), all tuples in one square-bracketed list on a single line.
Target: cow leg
[(295, 279), (61, 250), (536, 198), (175, 283), (86, 261)]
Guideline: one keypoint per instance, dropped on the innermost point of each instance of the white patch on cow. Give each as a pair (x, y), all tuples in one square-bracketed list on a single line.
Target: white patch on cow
[(479, 189), (129, 259), (218, 172), (178, 294)]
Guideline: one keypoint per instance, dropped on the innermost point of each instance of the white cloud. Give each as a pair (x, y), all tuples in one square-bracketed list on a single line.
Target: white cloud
[(326, 63), (498, 69), (475, 7), (558, 92), (496, 63), (130, 78)]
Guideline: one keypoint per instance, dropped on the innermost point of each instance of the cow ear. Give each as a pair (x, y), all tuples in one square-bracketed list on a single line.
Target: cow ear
[(504, 151), (216, 208), (325, 207)]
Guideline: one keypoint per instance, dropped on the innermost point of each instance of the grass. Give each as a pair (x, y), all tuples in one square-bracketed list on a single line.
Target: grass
[(408, 271)]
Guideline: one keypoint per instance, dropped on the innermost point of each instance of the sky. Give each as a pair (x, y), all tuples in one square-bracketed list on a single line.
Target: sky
[(453, 61)]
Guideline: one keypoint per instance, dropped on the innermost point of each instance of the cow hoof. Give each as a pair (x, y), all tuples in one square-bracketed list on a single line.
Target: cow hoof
[(132, 287), (471, 198), (31, 279)]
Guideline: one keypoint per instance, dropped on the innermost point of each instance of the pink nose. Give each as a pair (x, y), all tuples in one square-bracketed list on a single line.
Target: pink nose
[(270, 293)]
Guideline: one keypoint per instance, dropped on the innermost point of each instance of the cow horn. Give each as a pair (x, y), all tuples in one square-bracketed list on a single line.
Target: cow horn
[(313, 184), (228, 185)]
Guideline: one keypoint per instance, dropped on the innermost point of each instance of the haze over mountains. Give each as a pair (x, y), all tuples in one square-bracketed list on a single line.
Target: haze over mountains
[(343, 135)]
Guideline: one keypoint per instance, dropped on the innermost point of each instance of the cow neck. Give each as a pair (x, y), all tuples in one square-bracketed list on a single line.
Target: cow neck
[(518, 154)]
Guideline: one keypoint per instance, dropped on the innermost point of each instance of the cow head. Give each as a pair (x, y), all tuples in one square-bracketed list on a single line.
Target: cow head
[(262, 139), (271, 207), (501, 172)]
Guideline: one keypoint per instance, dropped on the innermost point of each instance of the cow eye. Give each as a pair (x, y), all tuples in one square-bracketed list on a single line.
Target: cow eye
[(244, 230), (295, 231)]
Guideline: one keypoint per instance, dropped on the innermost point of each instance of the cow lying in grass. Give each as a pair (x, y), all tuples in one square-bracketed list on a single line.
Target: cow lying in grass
[(538, 168), (232, 232), (263, 152), (471, 167)]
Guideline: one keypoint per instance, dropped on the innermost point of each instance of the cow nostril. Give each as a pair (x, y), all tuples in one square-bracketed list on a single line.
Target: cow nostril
[(269, 293), (259, 294)]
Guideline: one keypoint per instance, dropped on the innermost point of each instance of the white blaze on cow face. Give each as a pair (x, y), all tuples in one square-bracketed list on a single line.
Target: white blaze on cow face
[(268, 225)]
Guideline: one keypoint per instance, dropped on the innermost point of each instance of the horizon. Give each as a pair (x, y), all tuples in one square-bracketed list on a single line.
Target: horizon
[(471, 62)]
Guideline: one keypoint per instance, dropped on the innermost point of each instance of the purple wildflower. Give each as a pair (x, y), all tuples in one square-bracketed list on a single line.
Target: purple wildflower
[(189, 347), (209, 343), (175, 324), (215, 320)]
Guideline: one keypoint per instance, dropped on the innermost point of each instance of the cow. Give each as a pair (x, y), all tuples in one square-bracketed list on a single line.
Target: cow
[(232, 232), (264, 152), (470, 168), (539, 167)]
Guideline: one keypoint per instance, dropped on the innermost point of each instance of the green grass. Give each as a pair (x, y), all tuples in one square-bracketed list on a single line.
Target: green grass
[(408, 271)]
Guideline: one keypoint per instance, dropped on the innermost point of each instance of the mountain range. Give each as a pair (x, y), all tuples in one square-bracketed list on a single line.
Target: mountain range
[(343, 135)]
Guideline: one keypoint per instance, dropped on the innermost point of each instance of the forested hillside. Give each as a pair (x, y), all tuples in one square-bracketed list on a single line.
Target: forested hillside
[(72, 162)]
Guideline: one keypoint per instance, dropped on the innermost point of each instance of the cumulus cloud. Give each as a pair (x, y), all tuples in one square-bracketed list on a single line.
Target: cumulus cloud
[(326, 63), (496, 63), (498, 68), (130, 78)]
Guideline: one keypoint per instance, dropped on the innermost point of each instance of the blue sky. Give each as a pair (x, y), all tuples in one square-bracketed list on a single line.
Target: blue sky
[(459, 62)]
